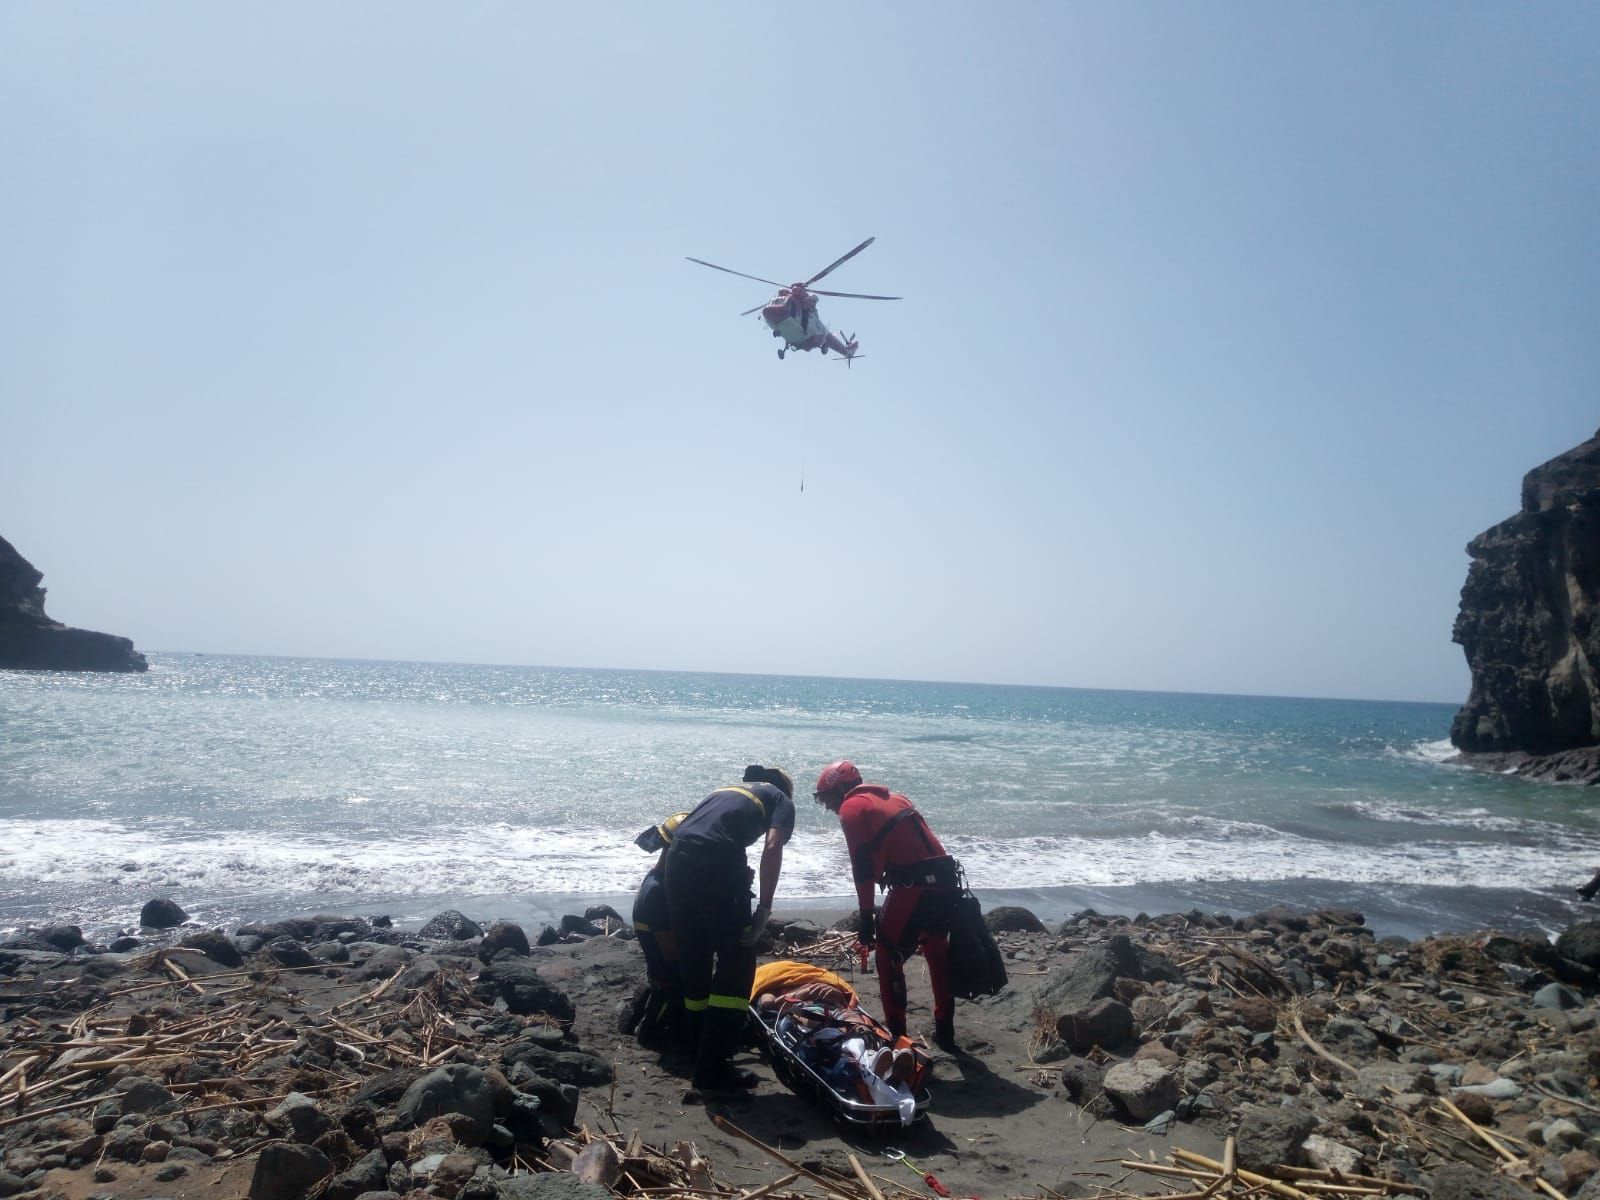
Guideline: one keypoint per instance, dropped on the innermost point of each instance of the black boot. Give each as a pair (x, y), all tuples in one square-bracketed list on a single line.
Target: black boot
[(944, 1034), (713, 1072)]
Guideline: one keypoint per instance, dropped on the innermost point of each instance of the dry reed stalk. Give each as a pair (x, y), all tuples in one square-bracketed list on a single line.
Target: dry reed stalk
[(181, 975), (48, 1112), (1499, 1147), (20, 1069), (1324, 1174), (1274, 1185), (728, 1126), (144, 987), (861, 1174), (1325, 1055), (1153, 1168)]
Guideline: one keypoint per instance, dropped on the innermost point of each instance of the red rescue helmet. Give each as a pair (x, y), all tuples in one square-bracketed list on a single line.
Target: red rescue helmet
[(838, 777)]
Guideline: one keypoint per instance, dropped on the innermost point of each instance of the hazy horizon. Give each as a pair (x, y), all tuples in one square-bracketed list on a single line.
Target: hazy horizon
[(622, 670)]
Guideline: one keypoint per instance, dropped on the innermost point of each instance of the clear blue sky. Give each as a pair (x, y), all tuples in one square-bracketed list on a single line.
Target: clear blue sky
[(365, 330)]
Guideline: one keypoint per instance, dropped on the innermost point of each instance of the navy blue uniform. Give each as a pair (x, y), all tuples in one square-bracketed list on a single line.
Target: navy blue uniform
[(708, 896)]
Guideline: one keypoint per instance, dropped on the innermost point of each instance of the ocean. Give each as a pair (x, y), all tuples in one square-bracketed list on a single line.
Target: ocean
[(253, 788)]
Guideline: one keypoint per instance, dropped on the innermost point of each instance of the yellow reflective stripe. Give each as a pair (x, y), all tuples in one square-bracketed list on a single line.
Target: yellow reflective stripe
[(717, 1001), (748, 795), (694, 1005), (641, 927)]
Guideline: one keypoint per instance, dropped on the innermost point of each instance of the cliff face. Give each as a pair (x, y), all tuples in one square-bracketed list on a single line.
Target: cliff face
[(1530, 617), (32, 641)]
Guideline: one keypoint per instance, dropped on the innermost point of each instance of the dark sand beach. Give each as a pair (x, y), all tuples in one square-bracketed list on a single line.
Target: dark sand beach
[(284, 1062)]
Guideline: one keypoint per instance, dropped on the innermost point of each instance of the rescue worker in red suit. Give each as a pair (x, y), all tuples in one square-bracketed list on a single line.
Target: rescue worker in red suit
[(891, 846)]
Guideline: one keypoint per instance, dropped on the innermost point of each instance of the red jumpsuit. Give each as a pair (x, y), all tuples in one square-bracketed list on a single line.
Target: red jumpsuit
[(921, 878)]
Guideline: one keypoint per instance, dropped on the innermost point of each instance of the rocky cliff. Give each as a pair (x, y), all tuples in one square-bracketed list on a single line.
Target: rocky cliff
[(1530, 624), (32, 641)]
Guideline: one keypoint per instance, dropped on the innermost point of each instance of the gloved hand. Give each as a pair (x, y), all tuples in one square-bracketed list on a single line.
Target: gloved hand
[(758, 923), (868, 933)]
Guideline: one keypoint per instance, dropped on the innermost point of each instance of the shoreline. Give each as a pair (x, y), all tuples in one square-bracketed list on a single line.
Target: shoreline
[(1410, 911), (1579, 767), (299, 1058)]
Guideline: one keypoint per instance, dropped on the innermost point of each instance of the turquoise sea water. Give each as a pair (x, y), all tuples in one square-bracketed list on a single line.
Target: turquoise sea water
[(248, 787)]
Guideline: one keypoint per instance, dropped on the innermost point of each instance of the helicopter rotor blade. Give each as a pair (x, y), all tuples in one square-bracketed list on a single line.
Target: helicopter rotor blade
[(740, 274), (851, 295), (757, 308), (840, 261)]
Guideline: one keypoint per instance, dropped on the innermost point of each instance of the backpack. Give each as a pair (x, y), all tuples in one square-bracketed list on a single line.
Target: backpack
[(976, 965)]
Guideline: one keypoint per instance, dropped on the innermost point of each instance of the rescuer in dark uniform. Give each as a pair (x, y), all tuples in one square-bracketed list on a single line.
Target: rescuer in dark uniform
[(708, 897), (891, 846), (658, 1011)]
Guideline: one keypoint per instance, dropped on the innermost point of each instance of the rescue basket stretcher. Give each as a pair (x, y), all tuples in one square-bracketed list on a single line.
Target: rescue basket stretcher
[(790, 1033)]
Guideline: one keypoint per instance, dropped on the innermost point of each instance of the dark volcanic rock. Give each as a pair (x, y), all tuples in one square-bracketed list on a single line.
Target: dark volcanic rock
[(31, 641), (1092, 974), (1104, 1023), (450, 926), (286, 1171), (525, 992), (1271, 1136), (502, 935), (214, 944), (1530, 618), (1458, 1181), (460, 1089), (161, 913), (62, 937), (1010, 919), (1581, 943)]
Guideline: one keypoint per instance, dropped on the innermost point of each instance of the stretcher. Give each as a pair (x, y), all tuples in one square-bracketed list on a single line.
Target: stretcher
[(805, 1043)]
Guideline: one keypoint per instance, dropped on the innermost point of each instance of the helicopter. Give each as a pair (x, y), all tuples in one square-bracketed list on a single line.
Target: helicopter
[(792, 314)]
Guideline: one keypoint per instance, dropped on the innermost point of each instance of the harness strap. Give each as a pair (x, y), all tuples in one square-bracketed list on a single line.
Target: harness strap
[(861, 860), (748, 795)]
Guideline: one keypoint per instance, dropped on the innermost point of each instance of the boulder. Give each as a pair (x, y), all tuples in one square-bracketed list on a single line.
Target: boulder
[(1006, 918), (299, 1118), (1103, 1023), (522, 988), (460, 1089), (450, 926), (369, 1174), (161, 913), (564, 1066), (580, 925), (1459, 1181), (141, 1094), (288, 1171), (1141, 1088), (1083, 1080), (1091, 974), (381, 963), (502, 935), (1325, 1154), (1581, 943), (1270, 1137), (287, 952), (598, 1163), (62, 937), (215, 945)]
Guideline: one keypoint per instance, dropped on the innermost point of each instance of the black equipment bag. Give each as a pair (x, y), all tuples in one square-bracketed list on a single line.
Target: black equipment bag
[(976, 965)]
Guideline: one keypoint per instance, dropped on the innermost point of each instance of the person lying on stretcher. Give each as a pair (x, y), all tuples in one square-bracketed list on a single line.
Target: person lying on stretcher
[(820, 1016)]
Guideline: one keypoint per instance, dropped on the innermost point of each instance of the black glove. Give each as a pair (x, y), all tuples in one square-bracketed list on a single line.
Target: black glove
[(867, 935)]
